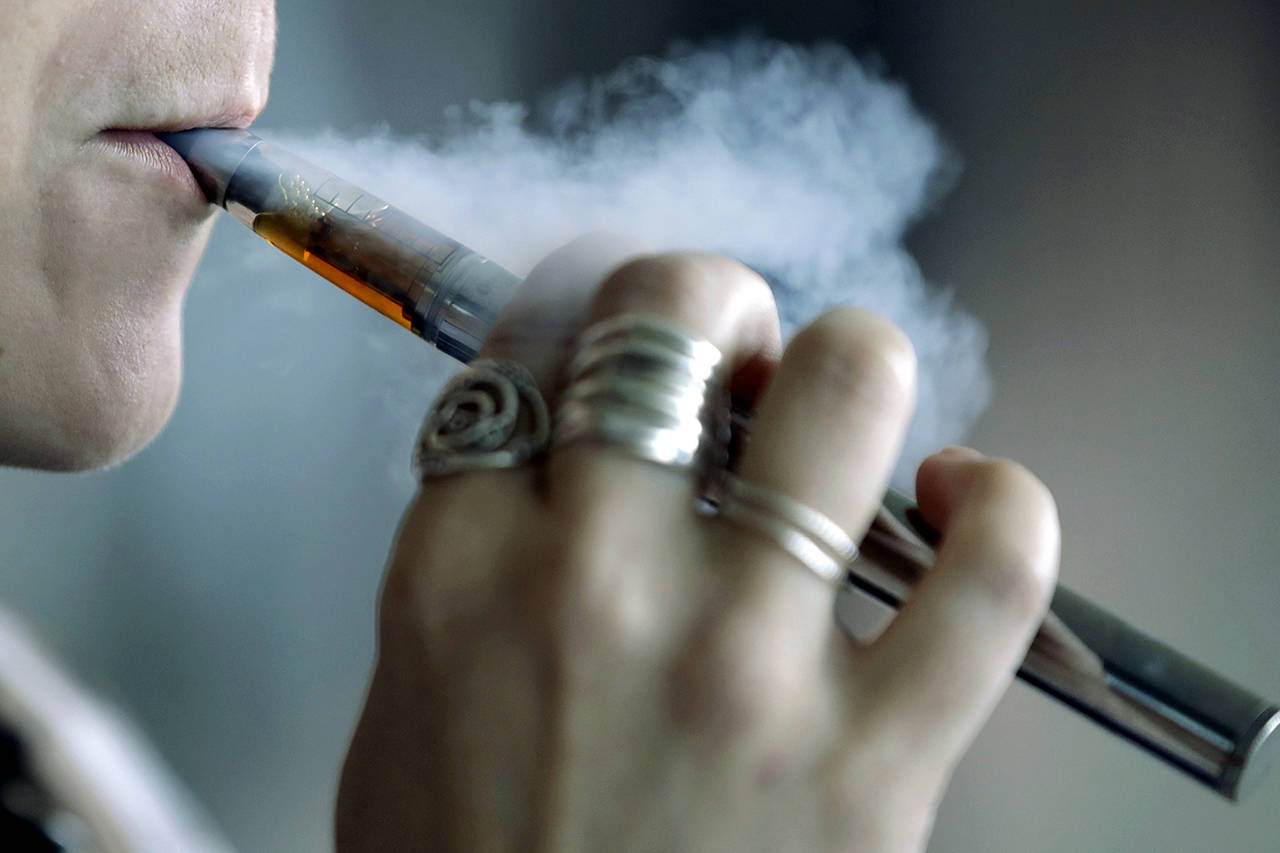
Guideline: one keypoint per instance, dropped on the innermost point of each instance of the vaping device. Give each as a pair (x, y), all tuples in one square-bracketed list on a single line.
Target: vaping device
[(1142, 690)]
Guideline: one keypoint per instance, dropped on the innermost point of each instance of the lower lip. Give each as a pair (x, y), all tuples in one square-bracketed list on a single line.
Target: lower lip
[(144, 147)]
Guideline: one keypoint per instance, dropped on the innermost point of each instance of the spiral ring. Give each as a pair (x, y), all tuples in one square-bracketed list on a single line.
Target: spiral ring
[(490, 415)]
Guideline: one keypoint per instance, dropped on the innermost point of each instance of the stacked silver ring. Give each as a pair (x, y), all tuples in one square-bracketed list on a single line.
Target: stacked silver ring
[(640, 383)]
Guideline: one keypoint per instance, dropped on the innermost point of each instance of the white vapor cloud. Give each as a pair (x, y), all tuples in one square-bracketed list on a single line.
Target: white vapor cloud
[(799, 161)]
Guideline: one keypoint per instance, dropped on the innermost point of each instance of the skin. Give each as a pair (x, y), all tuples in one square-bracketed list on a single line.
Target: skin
[(595, 667), (570, 658), (99, 246)]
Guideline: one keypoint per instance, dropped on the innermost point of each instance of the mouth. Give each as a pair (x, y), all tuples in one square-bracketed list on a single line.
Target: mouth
[(143, 148), (139, 144)]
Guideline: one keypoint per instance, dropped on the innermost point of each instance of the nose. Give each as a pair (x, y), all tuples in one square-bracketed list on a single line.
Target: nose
[(257, 42), (224, 49)]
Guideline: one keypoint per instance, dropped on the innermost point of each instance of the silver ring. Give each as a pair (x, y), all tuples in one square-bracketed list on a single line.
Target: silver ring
[(820, 544), (640, 383), (490, 415)]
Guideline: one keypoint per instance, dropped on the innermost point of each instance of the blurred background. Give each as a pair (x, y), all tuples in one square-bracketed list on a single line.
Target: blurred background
[(1116, 227)]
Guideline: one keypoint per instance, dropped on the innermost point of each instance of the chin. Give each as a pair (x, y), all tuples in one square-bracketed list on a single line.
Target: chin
[(128, 433), (106, 414), (132, 412)]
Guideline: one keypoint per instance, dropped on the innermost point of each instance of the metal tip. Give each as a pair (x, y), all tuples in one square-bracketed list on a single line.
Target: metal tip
[(1260, 754)]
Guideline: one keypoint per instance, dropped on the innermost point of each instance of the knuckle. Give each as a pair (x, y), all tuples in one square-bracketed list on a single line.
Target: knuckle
[(689, 287), (1016, 581), (857, 354), (1011, 483), (996, 478), (1024, 537)]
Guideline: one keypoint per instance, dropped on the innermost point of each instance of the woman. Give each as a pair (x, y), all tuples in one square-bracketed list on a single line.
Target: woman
[(572, 656)]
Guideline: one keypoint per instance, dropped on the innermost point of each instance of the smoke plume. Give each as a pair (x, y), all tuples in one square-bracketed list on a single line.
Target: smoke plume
[(799, 161)]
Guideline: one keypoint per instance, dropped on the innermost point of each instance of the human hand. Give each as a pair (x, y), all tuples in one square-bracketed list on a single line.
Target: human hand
[(571, 659)]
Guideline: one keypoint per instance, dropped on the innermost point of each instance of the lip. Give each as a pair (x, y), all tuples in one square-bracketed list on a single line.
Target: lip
[(135, 138), (145, 148)]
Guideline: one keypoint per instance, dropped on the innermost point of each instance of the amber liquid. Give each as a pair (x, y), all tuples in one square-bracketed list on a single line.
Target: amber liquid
[(277, 230), (378, 254), (292, 237)]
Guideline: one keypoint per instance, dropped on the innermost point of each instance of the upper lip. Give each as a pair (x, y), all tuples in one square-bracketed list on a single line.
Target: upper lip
[(236, 113)]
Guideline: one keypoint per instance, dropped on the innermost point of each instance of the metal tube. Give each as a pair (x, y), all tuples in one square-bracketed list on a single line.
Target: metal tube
[(1213, 730), (1190, 717)]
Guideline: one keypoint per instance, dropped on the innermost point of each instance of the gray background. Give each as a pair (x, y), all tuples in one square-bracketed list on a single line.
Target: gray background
[(1117, 228)]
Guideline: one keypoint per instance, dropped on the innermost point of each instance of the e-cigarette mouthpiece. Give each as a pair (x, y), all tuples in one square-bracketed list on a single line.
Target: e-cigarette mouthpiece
[(444, 292)]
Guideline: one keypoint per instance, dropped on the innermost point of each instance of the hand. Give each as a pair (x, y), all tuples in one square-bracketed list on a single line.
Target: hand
[(571, 660)]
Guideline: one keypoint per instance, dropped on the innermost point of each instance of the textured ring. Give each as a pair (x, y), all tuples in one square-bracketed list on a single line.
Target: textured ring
[(806, 534), (490, 415), (640, 383)]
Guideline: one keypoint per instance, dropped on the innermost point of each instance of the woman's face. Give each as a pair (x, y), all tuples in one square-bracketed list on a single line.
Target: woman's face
[(100, 229)]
